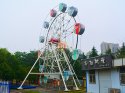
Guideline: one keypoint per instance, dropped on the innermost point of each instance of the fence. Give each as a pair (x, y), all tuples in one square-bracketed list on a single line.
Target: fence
[(4, 87)]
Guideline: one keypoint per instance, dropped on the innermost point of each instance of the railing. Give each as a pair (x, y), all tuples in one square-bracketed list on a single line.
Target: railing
[(4, 87), (119, 62)]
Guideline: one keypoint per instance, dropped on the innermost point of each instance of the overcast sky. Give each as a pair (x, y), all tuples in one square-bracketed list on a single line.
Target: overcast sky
[(21, 22)]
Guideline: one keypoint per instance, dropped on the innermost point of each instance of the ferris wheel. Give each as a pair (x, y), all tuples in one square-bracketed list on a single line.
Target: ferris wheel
[(61, 27), (60, 31)]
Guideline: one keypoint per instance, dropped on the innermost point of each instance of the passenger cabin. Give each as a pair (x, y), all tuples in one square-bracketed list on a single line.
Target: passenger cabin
[(54, 40)]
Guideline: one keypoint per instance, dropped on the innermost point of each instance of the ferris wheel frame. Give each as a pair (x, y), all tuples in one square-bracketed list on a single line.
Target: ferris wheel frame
[(48, 30)]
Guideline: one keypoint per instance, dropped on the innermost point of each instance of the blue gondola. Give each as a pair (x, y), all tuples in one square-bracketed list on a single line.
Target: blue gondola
[(46, 24), (41, 39), (72, 11)]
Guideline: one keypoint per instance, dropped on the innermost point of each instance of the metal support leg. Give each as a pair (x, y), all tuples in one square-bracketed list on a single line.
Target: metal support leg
[(20, 87), (66, 89), (65, 56)]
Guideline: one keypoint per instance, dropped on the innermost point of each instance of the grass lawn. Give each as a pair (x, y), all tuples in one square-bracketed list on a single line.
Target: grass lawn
[(37, 91), (31, 91), (25, 91)]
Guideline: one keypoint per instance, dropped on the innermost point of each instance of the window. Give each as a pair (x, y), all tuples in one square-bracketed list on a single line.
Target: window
[(122, 75), (92, 78)]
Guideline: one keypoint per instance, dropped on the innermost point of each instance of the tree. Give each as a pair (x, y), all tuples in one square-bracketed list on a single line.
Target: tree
[(121, 52), (26, 61), (83, 56), (78, 69), (108, 51), (8, 64), (77, 65), (93, 52)]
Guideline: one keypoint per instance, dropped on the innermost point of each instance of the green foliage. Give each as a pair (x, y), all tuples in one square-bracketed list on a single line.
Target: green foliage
[(108, 51), (78, 66), (82, 57), (121, 52), (93, 52), (17, 65), (78, 69), (7, 62), (26, 61)]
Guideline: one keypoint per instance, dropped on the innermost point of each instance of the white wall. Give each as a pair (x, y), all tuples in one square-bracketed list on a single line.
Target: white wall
[(116, 80), (93, 88)]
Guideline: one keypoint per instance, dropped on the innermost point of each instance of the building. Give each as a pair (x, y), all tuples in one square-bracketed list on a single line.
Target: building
[(105, 46), (104, 74)]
